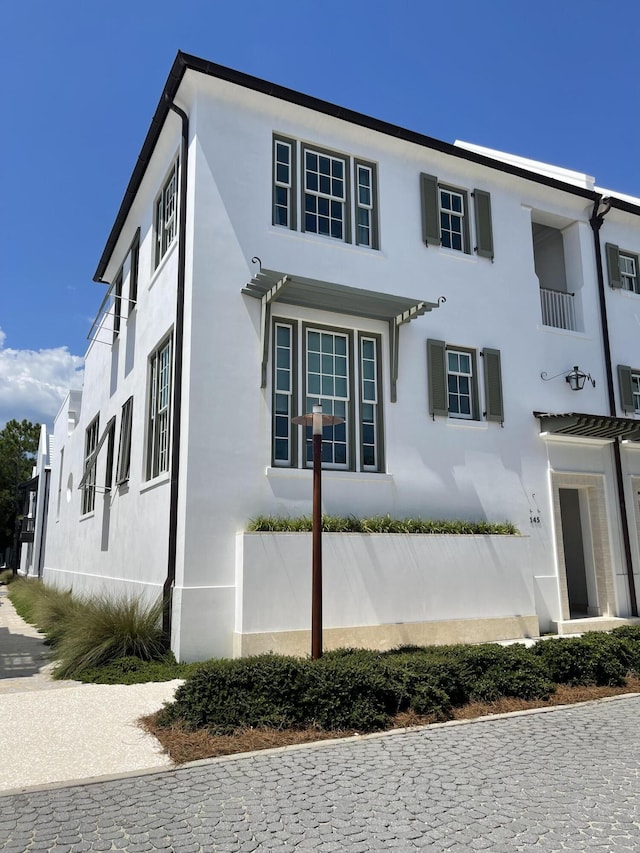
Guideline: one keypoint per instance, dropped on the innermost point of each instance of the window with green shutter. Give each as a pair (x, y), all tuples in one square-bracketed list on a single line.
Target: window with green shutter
[(445, 217), (629, 383), (453, 389)]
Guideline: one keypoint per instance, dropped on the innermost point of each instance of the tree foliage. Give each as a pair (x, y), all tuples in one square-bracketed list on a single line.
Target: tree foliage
[(18, 446)]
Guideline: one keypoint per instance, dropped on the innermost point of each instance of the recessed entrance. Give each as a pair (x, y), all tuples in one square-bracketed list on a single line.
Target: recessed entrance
[(578, 553)]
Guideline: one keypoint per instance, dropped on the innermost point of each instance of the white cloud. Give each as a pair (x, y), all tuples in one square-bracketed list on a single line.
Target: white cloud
[(33, 383)]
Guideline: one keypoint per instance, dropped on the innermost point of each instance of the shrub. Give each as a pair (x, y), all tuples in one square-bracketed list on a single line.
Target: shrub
[(490, 672), (133, 670), (7, 576), (594, 658), (222, 695), (629, 635)]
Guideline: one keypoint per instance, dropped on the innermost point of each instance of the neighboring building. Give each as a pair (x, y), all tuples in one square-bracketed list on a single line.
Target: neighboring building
[(32, 523), (272, 251)]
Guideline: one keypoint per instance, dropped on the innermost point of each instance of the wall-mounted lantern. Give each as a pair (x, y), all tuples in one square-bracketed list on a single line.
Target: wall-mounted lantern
[(574, 377)]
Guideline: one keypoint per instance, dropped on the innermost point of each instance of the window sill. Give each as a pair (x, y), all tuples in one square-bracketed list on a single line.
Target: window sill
[(320, 239), (163, 263), (165, 477), (332, 474), (87, 515), (467, 423)]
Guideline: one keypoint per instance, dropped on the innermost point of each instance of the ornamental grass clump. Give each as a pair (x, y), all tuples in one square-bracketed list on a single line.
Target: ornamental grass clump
[(104, 629), (379, 524)]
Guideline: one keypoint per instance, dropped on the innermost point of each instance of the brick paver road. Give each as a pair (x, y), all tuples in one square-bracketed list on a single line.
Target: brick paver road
[(568, 779)]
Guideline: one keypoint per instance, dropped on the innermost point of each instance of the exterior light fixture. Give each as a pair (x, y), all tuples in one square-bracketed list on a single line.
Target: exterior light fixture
[(575, 377), (317, 421)]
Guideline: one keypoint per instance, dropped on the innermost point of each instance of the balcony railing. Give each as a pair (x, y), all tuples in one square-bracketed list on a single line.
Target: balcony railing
[(558, 309)]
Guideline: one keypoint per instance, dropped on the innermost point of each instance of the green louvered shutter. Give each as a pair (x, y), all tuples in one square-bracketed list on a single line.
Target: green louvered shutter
[(437, 372), (626, 389), (430, 210), (493, 385), (613, 265), (484, 231)]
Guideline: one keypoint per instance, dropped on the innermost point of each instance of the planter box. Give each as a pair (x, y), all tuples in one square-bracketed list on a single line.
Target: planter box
[(382, 589)]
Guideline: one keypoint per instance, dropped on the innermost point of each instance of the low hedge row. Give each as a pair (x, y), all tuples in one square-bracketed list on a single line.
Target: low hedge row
[(361, 689)]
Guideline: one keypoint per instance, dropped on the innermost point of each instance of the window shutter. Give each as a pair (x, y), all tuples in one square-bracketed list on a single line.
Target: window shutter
[(436, 369), (613, 264), (484, 231), (493, 385), (430, 209), (626, 390)]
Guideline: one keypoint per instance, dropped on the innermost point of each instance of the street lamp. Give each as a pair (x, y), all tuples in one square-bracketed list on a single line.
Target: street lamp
[(317, 421)]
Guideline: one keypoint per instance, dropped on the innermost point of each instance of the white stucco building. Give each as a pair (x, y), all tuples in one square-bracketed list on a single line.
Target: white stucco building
[(272, 251)]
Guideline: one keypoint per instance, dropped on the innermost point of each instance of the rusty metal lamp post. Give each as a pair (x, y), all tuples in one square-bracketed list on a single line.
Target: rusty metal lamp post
[(316, 420)]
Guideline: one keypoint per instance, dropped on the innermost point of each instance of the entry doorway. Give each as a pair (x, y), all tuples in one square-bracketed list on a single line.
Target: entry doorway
[(578, 553)]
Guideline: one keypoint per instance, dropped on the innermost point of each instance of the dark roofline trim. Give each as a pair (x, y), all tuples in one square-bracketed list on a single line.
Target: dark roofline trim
[(184, 62)]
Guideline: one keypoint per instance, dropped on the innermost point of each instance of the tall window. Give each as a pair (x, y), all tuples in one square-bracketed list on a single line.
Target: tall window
[(133, 274), (166, 214), (629, 273), (159, 407), (124, 449), (283, 183), (340, 371), (324, 194), (117, 304), (90, 446), (459, 384), (452, 219), (635, 388), (339, 197)]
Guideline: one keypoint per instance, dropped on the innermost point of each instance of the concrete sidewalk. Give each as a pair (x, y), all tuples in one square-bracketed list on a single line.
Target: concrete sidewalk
[(64, 731)]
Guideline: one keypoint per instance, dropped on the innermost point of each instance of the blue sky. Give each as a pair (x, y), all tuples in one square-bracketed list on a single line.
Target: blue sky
[(554, 81)]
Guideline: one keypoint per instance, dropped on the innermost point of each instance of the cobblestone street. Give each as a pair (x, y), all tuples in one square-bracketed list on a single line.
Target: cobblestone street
[(567, 779)]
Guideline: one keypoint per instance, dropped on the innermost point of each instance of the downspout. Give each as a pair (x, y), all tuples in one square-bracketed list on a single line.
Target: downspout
[(596, 221), (167, 589)]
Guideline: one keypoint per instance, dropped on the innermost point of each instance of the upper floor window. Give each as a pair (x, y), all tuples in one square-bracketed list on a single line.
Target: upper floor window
[(158, 426), (454, 386), (166, 215), (124, 450), (90, 447), (629, 382), (446, 220), (331, 206), (133, 272), (339, 370), (117, 304), (623, 269)]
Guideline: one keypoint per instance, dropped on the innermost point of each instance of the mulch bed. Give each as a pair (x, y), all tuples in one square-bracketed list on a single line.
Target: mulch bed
[(182, 745)]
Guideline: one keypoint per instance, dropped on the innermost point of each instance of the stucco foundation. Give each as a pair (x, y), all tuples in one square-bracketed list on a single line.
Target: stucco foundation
[(384, 637)]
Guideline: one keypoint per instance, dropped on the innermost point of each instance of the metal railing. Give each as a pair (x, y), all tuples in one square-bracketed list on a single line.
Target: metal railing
[(558, 309)]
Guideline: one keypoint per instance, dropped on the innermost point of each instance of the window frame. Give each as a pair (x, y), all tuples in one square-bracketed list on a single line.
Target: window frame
[(117, 303), (633, 280), (134, 272), (123, 467), (465, 246), (166, 226), (438, 382), (431, 208), (474, 413), (91, 437), (351, 203), (158, 458), (354, 403)]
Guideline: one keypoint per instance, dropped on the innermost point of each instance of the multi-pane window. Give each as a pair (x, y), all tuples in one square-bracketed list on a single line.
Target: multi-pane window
[(452, 219), (338, 197), (117, 304), (629, 273), (283, 183), (89, 486), (327, 384), (133, 274), (459, 384), (283, 394), (124, 449), (166, 214), (635, 390), (324, 194), (159, 407), (340, 375), (364, 205), (369, 403)]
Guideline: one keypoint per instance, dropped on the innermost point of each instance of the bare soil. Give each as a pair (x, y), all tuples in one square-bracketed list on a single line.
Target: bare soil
[(182, 745)]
